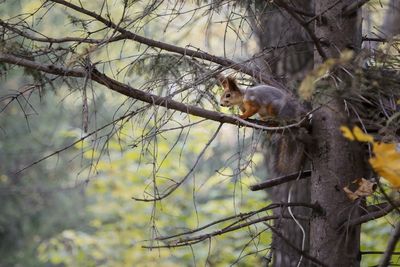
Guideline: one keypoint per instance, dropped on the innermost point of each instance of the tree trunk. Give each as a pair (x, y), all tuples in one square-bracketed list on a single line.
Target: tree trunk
[(391, 23), (336, 161), (292, 51), (290, 60)]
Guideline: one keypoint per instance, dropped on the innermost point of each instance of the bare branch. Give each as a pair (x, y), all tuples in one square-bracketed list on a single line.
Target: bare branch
[(59, 40), (373, 215), (353, 7), (280, 180), (243, 216), (58, 151), (302, 12), (390, 247), (256, 73), (304, 24), (380, 39), (376, 253), (129, 91), (200, 238), (320, 15), (177, 184)]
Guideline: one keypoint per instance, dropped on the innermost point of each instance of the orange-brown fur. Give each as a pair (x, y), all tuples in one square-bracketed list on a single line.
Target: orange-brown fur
[(267, 101), (286, 152)]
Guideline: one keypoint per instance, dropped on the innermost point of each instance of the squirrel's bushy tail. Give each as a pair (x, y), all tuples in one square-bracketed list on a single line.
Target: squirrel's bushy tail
[(285, 153)]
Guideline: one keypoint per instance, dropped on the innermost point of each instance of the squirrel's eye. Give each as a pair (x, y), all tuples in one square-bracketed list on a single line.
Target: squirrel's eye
[(228, 95)]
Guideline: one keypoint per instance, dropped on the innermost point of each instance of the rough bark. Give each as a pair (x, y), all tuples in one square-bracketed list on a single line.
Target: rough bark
[(335, 164), (292, 53), (335, 160), (290, 60), (391, 23)]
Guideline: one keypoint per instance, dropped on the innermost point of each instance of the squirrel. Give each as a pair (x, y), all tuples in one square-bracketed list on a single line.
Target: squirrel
[(270, 103), (285, 153), (267, 101)]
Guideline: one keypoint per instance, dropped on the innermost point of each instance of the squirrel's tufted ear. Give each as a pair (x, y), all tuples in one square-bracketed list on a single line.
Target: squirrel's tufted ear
[(231, 84), (228, 83), (220, 77), (223, 81)]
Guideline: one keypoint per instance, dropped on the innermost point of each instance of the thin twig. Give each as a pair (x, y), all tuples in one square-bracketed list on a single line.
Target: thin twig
[(304, 24), (379, 39), (200, 238), (390, 247), (377, 253), (256, 73), (129, 91), (373, 215), (59, 40), (353, 7), (130, 114), (177, 184), (242, 216), (318, 16)]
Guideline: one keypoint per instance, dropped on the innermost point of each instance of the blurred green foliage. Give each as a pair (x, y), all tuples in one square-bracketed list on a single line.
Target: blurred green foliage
[(120, 225), (44, 199), (76, 208)]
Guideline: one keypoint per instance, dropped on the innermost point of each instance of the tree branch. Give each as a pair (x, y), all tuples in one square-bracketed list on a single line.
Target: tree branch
[(380, 39), (196, 239), (256, 73), (304, 24), (376, 253), (177, 184), (373, 215), (243, 216), (129, 91), (59, 40), (58, 151), (320, 15), (390, 247), (280, 180), (353, 7)]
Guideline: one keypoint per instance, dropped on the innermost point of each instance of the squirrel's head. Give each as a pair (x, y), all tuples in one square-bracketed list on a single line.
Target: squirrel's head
[(232, 95)]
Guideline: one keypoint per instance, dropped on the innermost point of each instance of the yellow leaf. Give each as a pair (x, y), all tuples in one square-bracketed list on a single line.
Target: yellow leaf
[(346, 55), (356, 134), (361, 136), (307, 87), (308, 84), (323, 69), (386, 162), (386, 159), (346, 132)]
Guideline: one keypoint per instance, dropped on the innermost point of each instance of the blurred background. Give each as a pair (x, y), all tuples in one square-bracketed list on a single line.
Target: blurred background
[(73, 157)]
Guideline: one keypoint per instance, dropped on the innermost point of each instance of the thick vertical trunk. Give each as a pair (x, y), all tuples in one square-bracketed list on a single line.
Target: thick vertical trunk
[(336, 161), (335, 164), (391, 23), (291, 58), (289, 50)]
